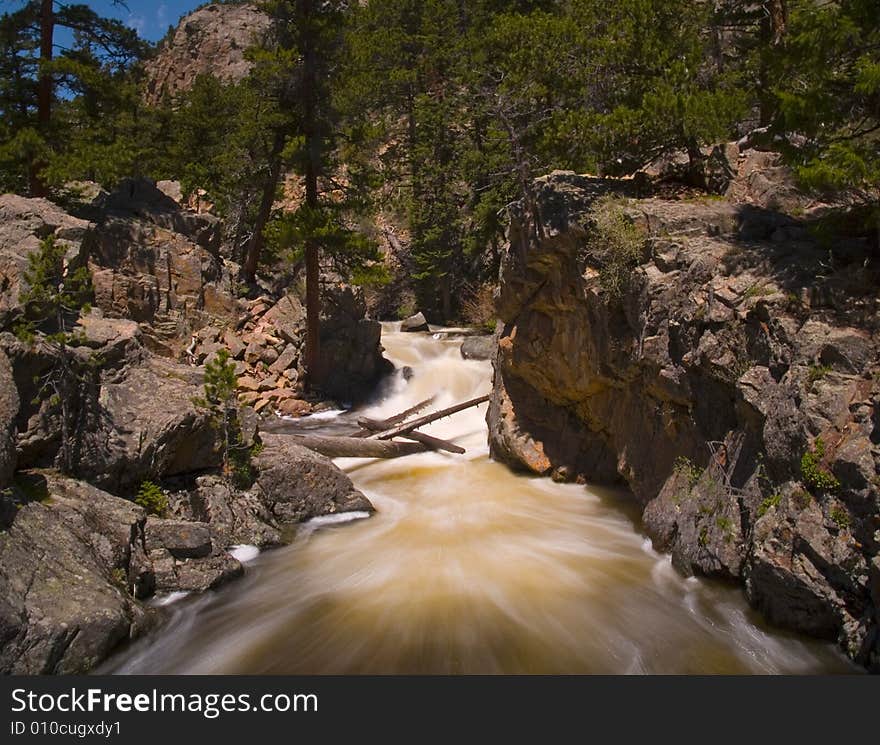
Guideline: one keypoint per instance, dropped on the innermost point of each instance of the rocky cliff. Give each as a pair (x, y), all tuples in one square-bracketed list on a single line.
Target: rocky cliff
[(210, 41), (719, 357)]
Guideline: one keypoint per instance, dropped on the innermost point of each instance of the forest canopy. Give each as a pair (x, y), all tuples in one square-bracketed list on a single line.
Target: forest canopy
[(438, 111)]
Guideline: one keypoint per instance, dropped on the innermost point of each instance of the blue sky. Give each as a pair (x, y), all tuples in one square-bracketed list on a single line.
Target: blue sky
[(150, 18)]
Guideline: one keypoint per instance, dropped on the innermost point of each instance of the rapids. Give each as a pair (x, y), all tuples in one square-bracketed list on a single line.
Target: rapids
[(467, 568)]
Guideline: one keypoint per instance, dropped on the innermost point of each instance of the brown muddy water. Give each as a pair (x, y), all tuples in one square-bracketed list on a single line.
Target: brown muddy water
[(467, 568)]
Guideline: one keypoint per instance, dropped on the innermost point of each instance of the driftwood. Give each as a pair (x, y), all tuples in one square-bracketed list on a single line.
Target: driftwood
[(352, 447), (408, 427), (397, 418), (434, 443), (380, 444)]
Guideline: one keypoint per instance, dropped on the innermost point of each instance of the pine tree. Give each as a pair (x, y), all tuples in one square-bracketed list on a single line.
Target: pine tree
[(56, 295), (221, 403), (36, 120)]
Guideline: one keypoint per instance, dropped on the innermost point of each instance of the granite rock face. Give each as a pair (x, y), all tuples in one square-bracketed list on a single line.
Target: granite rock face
[(65, 564), (732, 383), (129, 420), (210, 41), (24, 224)]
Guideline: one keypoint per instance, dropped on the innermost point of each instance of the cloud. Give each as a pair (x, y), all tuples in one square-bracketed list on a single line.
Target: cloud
[(137, 22), (161, 15)]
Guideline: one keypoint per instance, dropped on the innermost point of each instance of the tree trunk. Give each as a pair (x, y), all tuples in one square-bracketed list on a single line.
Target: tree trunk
[(352, 447), (778, 21), (313, 155), (255, 245), (38, 187), (446, 298), (774, 28)]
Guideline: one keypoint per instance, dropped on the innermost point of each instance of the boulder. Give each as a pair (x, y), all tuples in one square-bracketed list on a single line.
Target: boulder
[(119, 340), (235, 516), (478, 348), (182, 539), (351, 362), (130, 421), (296, 484), (148, 428), (66, 565), (183, 557), (415, 323)]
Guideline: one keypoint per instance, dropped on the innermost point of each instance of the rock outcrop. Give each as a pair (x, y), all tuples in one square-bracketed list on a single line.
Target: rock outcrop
[(131, 417), (76, 561), (158, 264), (210, 41), (732, 381), (65, 566), (268, 347), (24, 223), (9, 404)]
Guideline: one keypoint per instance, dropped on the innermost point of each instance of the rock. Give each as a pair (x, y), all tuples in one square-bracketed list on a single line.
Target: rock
[(171, 189), (297, 484), (136, 418), (209, 41), (65, 568), (294, 407), (478, 348), (286, 359), (268, 384), (415, 323), (199, 576), (234, 344), (351, 362), (269, 356), (235, 517), (8, 413), (118, 340), (183, 540), (701, 347), (24, 223), (247, 383), (151, 428)]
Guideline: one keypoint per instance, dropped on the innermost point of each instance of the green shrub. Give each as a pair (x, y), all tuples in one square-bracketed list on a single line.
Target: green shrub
[(687, 468), (841, 517), (152, 498), (769, 503), (816, 373), (617, 243), (813, 473)]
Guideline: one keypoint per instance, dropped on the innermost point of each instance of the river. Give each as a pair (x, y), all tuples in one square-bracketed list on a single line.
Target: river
[(467, 568)]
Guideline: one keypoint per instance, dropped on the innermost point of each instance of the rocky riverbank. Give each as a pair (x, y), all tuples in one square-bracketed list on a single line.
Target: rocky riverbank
[(79, 559), (720, 357)]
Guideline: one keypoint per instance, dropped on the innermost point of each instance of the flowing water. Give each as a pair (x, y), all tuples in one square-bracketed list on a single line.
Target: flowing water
[(467, 568)]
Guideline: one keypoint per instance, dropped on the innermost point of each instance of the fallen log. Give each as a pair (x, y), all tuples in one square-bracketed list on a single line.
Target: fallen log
[(434, 443), (398, 418), (353, 447), (408, 427)]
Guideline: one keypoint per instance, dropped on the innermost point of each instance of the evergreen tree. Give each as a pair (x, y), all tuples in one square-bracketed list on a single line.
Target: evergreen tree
[(36, 119), (828, 91)]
